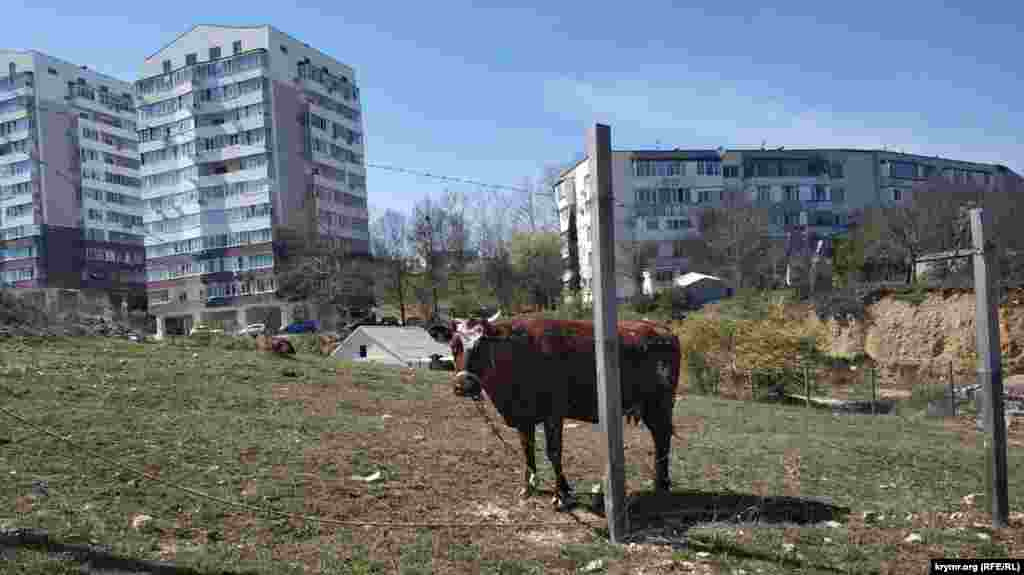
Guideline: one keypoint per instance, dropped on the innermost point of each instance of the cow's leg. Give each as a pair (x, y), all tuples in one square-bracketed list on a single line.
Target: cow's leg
[(564, 497), (658, 419), (528, 441)]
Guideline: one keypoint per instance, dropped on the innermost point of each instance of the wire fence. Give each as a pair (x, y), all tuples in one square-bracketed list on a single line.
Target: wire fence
[(941, 388)]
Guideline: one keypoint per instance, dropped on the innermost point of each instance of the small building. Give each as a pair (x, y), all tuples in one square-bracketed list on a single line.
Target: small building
[(392, 345), (702, 289)]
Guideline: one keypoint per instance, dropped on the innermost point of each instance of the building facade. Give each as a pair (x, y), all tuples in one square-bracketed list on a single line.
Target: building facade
[(248, 137), (660, 194), (70, 197)]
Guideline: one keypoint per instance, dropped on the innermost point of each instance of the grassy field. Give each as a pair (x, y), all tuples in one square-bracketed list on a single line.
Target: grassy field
[(755, 483)]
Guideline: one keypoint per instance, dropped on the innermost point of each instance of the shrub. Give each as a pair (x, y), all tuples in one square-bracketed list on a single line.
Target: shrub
[(214, 341), (463, 305), (305, 342), (753, 336)]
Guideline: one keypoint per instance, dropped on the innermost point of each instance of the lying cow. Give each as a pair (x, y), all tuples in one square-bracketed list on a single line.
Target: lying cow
[(544, 371)]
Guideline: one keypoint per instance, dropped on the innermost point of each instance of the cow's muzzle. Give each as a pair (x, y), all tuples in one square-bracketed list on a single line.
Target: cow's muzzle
[(467, 385)]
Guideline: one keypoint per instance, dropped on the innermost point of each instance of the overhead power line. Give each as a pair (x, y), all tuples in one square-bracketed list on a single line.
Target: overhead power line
[(447, 178)]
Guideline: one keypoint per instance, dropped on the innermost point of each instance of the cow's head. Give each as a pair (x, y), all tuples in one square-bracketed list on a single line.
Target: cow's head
[(470, 351)]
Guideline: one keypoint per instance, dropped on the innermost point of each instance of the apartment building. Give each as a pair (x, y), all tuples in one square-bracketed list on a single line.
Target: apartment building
[(248, 137), (660, 194), (70, 205)]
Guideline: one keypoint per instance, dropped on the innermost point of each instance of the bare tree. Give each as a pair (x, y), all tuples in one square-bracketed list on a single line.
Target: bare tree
[(1006, 203), (492, 234), (924, 222), (734, 235), (429, 237), (323, 271), (457, 237), (393, 256)]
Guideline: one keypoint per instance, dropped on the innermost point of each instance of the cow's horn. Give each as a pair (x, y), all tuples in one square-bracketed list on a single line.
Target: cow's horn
[(494, 317)]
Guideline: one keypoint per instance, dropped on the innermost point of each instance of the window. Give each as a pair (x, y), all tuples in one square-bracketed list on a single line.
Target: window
[(904, 170), (704, 196), (819, 193), (677, 224), (795, 169), (652, 224), (362, 348), (236, 46), (897, 195), (679, 249), (215, 53), (665, 195), (644, 196), (790, 193), (167, 66), (682, 196), (190, 59), (709, 168), (52, 71), (284, 50), (731, 171), (764, 194), (823, 219), (663, 275), (766, 169), (838, 195), (659, 168), (836, 170), (792, 218)]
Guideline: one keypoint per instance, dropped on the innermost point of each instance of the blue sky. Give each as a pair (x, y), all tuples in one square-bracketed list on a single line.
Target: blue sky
[(495, 93)]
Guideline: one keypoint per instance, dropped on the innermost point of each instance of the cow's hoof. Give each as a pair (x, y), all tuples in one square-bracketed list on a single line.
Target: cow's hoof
[(564, 502)]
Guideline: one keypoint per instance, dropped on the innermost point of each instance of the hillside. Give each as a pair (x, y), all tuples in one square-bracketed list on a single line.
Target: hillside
[(415, 471)]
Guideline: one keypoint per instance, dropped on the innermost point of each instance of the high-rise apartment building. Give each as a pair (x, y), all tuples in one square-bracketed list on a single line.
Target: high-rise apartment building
[(659, 195), (70, 206), (247, 137)]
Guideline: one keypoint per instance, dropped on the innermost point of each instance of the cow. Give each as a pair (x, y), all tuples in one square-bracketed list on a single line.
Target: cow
[(544, 371)]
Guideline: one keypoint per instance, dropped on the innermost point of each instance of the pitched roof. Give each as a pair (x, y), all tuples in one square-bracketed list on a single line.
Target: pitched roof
[(692, 278), (406, 343)]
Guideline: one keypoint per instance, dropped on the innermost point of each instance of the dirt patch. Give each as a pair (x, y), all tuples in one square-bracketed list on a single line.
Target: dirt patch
[(916, 343)]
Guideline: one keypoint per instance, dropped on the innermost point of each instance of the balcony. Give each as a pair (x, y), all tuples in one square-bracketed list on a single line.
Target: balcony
[(21, 85), (247, 99), (231, 153), (259, 173)]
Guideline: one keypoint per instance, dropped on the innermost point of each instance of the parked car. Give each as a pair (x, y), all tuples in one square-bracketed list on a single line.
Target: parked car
[(308, 326), (440, 332), (253, 329), (414, 321), (202, 329)]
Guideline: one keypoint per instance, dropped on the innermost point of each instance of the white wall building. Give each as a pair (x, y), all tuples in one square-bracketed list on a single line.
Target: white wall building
[(246, 132), (659, 195), (70, 207)]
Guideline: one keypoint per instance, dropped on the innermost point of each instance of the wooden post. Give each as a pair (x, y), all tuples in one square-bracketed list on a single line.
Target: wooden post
[(874, 392), (990, 376), (807, 388), (952, 390), (606, 331)]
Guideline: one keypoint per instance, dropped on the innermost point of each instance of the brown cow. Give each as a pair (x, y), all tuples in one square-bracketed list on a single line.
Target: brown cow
[(544, 371)]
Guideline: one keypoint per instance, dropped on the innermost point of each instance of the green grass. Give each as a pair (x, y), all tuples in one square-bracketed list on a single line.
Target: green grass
[(189, 411), (36, 562)]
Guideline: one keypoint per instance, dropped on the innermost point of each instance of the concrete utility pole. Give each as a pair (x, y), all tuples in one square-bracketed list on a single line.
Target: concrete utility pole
[(990, 376), (606, 333)]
